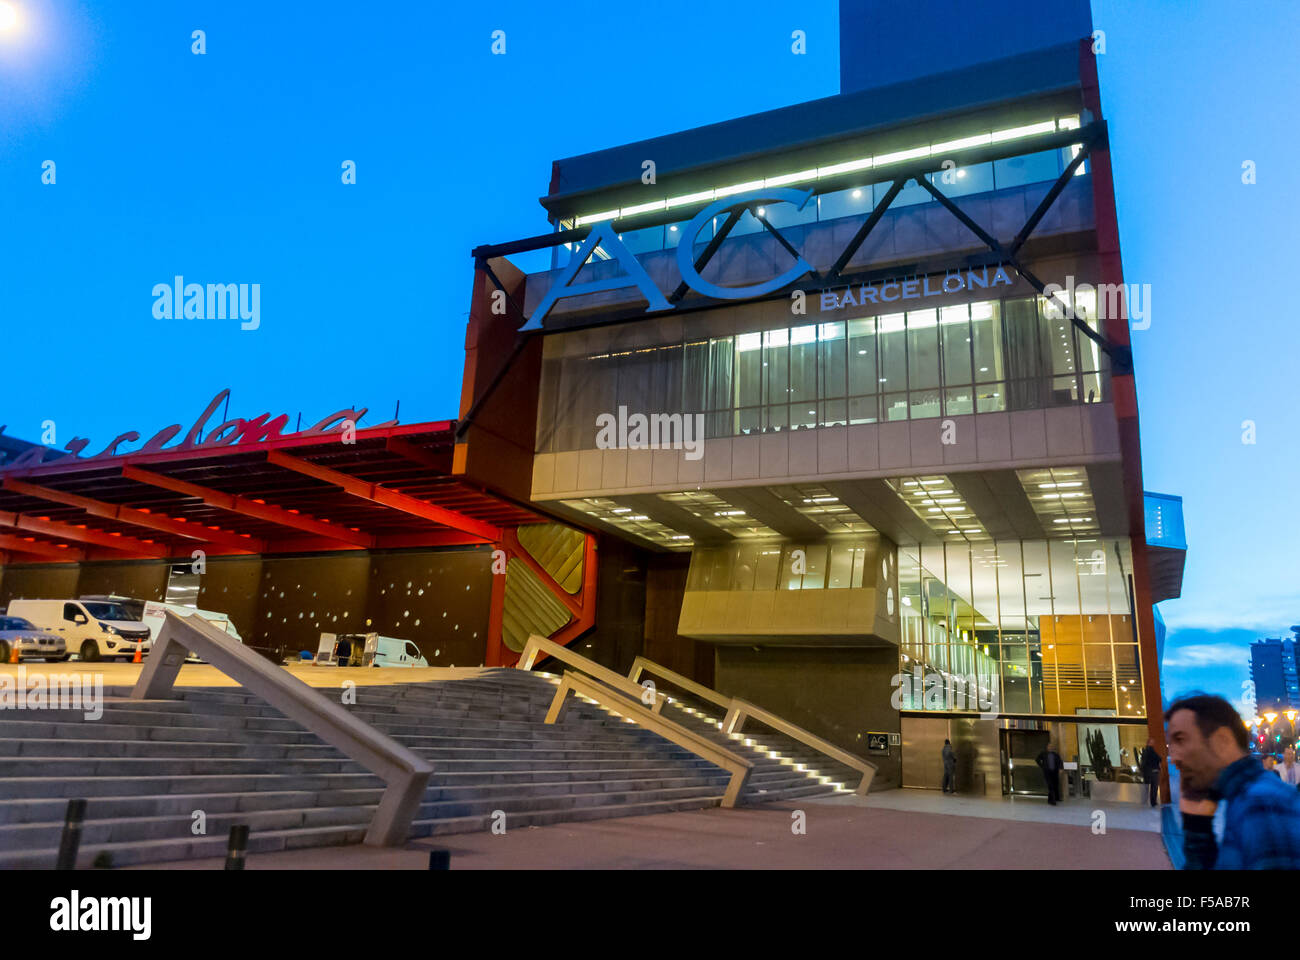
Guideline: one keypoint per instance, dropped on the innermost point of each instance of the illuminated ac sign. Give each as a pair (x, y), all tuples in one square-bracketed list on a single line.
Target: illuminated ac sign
[(227, 434), (604, 236)]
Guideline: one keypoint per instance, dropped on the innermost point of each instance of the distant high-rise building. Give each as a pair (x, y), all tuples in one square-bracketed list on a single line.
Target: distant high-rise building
[(1273, 670)]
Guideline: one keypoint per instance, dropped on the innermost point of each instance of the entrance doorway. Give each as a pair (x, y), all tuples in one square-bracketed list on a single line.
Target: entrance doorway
[(1021, 775)]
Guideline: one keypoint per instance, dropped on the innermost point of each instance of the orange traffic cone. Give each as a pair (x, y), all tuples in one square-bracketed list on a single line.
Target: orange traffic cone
[(13, 652), (139, 657)]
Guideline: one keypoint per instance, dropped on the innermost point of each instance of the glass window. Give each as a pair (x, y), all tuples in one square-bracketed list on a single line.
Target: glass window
[(841, 571), (803, 363), (853, 202), (977, 178), (643, 241), (923, 362), (815, 577), (863, 378), (891, 342), (1030, 168), (720, 379), (767, 568), (831, 368), (912, 193), (954, 328), (776, 382)]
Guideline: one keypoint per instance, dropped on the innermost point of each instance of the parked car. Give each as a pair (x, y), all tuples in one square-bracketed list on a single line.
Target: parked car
[(93, 629), (367, 650), (15, 632)]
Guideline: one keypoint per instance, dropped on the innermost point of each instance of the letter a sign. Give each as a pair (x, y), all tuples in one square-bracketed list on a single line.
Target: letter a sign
[(602, 235)]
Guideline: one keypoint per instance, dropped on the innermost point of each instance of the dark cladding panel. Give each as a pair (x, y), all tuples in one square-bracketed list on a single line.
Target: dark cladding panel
[(438, 600), (302, 597), (43, 581), (230, 585), (884, 42), (839, 695), (140, 581)]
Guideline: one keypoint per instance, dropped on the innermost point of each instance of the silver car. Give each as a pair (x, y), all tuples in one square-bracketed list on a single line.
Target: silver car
[(15, 632)]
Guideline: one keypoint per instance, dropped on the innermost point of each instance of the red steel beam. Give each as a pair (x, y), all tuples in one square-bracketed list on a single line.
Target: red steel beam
[(392, 499), (141, 518), (45, 551), (251, 508), (82, 534)]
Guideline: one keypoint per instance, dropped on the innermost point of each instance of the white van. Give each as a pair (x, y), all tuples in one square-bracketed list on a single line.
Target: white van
[(155, 613), (93, 630), (367, 650)]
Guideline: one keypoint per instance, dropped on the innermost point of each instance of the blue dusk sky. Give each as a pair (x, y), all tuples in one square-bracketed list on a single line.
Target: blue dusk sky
[(226, 167)]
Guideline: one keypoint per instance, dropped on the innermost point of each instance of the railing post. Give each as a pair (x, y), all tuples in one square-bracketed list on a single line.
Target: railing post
[(237, 846), (734, 720), (73, 822)]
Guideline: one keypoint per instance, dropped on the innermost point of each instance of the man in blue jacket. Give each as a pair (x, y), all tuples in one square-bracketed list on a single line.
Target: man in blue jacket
[(1209, 745)]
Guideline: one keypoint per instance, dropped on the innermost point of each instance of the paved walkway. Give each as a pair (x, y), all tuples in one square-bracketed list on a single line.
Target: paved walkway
[(839, 835), (203, 675)]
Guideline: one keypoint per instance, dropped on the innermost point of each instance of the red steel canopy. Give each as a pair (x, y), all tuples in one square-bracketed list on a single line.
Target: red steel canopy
[(392, 488)]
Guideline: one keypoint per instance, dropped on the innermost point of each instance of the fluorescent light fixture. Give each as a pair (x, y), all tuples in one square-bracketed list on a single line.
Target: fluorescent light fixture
[(597, 217), (980, 140), (916, 153), (1015, 133), (690, 198), (737, 188), (810, 174), (847, 167), (643, 208)]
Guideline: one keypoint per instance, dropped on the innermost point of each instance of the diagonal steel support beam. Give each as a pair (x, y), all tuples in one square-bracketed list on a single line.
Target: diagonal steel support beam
[(1050, 198), (1121, 356), (867, 226), (709, 251), (762, 218)]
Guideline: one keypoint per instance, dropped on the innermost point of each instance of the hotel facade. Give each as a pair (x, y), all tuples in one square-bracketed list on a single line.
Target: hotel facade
[(830, 408), (845, 389)]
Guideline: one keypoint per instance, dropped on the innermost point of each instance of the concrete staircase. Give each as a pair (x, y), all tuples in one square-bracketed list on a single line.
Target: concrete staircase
[(146, 766)]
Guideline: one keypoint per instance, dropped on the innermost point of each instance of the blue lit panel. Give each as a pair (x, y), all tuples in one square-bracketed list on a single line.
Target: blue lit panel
[(1164, 521)]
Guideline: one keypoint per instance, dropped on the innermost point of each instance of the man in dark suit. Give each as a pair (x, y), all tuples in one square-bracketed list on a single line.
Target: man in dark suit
[(1150, 764), (949, 768), (1049, 761)]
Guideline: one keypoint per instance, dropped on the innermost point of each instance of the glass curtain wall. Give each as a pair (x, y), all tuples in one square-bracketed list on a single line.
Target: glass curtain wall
[(981, 357), (1048, 621)]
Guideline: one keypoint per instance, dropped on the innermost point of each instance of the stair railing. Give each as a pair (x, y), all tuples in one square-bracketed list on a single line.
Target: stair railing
[(538, 645), (405, 773), (737, 711), (622, 706)]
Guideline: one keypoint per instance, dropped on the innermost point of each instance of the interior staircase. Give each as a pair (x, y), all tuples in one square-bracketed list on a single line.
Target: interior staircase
[(146, 767)]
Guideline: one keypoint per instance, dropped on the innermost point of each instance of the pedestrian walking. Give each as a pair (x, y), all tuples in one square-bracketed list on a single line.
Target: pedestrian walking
[(949, 768), (1290, 770), (1150, 765), (1049, 761)]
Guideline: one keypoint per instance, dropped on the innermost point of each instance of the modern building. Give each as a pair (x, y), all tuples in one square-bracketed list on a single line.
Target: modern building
[(847, 393), (836, 413), (1273, 671)]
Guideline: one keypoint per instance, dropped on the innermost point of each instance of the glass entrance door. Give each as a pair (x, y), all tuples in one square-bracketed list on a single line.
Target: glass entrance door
[(1021, 775)]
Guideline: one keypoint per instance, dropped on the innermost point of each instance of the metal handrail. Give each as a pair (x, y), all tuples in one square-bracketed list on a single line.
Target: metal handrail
[(537, 644), (738, 710), (642, 664), (405, 773), (616, 703)]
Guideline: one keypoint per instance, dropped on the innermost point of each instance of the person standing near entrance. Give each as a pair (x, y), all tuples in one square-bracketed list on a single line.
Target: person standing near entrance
[(1150, 764), (949, 768), (1049, 761)]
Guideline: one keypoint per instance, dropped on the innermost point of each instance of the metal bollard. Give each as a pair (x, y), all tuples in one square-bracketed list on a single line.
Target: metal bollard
[(73, 821), (439, 859), (237, 847)]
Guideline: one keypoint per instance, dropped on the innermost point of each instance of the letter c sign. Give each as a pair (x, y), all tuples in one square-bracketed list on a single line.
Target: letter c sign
[(686, 246)]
